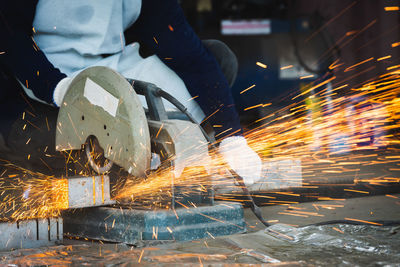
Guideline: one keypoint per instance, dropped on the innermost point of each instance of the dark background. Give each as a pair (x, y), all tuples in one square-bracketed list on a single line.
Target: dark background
[(314, 33)]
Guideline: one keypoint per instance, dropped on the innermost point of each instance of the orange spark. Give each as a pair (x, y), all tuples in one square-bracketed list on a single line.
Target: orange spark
[(396, 44), (358, 64), (315, 87), (393, 67), (287, 67), (159, 130), (307, 77), (357, 191), (141, 255), (335, 65), (193, 98), (383, 58), (358, 220), (336, 229), (391, 8), (262, 65), (252, 107), (247, 89)]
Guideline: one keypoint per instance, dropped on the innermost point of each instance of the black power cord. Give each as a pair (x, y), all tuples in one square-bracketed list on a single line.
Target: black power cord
[(373, 223)]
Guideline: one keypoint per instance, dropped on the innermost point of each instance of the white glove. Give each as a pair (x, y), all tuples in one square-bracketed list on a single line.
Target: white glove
[(241, 158), (61, 90)]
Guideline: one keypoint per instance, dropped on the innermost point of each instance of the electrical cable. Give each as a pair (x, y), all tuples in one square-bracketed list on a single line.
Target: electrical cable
[(256, 209), (378, 223)]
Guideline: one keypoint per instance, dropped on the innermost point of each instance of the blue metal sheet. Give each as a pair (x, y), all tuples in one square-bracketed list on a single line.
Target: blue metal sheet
[(131, 226)]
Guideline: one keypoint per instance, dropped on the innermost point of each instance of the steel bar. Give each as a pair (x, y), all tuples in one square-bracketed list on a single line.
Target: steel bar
[(86, 192)]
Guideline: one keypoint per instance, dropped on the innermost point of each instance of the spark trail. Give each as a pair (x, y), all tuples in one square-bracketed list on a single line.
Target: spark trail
[(325, 132), (331, 128)]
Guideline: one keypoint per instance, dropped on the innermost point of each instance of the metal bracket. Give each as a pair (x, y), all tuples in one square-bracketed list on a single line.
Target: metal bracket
[(30, 233)]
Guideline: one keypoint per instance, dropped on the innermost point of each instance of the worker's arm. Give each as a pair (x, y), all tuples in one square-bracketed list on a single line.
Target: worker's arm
[(163, 27), (20, 56)]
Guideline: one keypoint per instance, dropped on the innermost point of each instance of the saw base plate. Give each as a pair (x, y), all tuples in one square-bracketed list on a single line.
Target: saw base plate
[(132, 226)]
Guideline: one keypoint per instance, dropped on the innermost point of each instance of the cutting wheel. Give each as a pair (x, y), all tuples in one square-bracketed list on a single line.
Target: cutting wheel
[(102, 107)]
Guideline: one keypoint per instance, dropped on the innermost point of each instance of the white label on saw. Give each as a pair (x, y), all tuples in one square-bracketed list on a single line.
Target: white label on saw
[(100, 97)]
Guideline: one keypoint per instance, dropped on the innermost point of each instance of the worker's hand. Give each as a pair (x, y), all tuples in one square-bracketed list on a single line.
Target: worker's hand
[(241, 158), (61, 90)]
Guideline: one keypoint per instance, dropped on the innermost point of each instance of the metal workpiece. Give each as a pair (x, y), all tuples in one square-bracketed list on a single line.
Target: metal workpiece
[(86, 192), (131, 226), (31, 233)]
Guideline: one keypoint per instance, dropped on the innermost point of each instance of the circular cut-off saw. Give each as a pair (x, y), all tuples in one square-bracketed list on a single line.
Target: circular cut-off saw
[(102, 116)]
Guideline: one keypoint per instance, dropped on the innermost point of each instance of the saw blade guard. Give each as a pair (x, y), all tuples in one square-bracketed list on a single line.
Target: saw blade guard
[(100, 102)]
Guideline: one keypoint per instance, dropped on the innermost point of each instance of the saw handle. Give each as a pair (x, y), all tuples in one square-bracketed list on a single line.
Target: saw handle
[(154, 102)]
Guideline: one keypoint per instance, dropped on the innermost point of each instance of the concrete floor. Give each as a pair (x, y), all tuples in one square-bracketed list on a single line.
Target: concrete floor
[(257, 247), (371, 208)]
